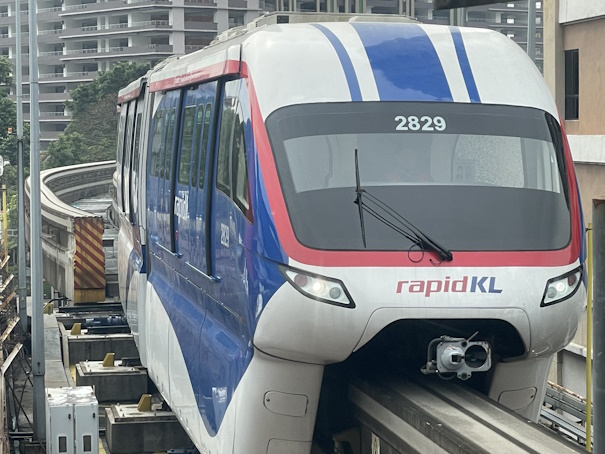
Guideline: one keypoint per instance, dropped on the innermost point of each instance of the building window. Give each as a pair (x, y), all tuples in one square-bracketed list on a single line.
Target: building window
[(572, 85)]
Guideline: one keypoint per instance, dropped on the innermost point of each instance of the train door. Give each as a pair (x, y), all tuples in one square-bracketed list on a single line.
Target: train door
[(128, 159), (120, 154), (166, 172), (226, 335), (135, 163), (153, 172), (190, 199)]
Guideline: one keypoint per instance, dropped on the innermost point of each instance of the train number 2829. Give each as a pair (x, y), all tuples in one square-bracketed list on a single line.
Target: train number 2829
[(424, 123)]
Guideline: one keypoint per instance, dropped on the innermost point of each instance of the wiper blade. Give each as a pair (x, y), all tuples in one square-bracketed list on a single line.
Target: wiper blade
[(359, 200), (404, 227), (381, 211)]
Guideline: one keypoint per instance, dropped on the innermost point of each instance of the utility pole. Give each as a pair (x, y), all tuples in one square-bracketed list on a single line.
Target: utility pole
[(35, 218), (22, 266), (531, 29)]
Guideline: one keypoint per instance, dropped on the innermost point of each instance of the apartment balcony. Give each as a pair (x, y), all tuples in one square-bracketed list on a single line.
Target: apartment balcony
[(193, 47), (50, 36), (115, 5), (51, 117), (266, 6), (201, 3), (117, 29), (49, 14), (60, 78), (518, 8), (201, 26), (151, 51), (49, 136), (53, 97), (434, 19), (238, 4), (57, 98), (6, 19), (512, 24)]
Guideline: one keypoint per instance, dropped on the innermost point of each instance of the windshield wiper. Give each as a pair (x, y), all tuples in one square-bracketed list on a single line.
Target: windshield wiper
[(391, 218), (359, 200)]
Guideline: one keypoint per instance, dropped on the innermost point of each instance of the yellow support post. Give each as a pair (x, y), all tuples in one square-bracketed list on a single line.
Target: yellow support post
[(144, 403), (108, 361), (589, 339), (76, 329)]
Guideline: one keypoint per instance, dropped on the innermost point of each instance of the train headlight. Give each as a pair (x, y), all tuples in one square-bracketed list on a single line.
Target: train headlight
[(320, 288), (562, 287)]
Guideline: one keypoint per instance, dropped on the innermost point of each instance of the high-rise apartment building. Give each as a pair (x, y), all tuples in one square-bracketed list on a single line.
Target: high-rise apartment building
[(79, 38)]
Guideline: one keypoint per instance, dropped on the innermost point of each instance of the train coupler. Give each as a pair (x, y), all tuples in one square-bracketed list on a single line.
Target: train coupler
[(456, 355)]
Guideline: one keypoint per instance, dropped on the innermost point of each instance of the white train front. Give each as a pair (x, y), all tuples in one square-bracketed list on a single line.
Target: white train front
[(300, 193)]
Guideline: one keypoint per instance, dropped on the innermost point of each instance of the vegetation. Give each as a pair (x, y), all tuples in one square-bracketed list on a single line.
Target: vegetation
[(91, 135)]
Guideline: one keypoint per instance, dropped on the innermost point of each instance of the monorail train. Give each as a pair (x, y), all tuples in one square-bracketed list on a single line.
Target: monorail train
[(296, 193)]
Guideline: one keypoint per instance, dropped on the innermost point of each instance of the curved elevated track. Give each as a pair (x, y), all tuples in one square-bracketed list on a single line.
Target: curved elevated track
[(72, 239)]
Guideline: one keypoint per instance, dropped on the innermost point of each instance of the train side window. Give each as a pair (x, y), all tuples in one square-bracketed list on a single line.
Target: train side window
[(137, 143), (205, 133), (120, 147), (223, 174), (156, 143), (169, 143), (186, 144), (241, 194), (199, 116)]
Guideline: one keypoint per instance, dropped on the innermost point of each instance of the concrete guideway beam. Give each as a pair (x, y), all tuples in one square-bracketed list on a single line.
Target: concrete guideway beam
[(72, 239)]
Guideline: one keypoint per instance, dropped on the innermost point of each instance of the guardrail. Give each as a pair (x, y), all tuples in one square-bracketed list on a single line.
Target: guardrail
[(72, 239)]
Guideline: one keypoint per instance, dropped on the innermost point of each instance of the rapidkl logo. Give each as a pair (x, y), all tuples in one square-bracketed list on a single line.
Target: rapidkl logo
[(468, 284)]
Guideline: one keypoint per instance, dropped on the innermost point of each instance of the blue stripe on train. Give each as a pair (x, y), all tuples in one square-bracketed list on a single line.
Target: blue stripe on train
[(404, 62), (345, 61), (465, 65)]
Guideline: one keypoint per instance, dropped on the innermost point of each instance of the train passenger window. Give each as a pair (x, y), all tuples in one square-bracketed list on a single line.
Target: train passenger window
[(223, 182), (120, 147), (156, 143), (128, 141), (240, 167), (196, 145), (186, 143), (169, 142), (205, 132), (137, 143)]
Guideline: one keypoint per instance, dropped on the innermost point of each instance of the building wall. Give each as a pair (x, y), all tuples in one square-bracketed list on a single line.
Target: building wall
[(588, 37)]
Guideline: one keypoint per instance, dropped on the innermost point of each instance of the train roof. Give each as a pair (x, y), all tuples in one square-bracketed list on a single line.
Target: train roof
[(365, 60)]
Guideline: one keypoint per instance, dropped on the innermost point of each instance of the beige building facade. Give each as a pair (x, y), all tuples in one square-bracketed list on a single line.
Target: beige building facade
[(574, 68)]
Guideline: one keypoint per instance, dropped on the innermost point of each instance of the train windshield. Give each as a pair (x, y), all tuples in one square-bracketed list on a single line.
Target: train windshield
[(472, 177)]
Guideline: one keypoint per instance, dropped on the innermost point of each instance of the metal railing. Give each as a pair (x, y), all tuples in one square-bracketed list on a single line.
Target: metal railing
[(51, 32), (50, 53), (75, 7), (53, 114), (50, 10)]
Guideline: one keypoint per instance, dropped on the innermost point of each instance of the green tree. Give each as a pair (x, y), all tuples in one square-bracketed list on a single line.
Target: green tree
[(8, 116), (7, 107), (107, 83), (6, 76), (94, 118), (69, 149)]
